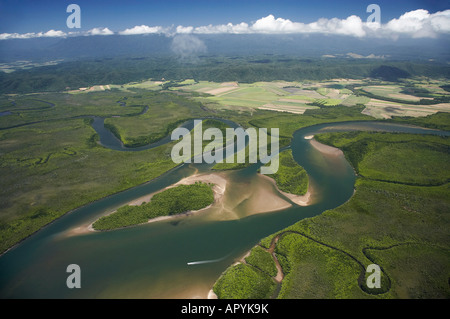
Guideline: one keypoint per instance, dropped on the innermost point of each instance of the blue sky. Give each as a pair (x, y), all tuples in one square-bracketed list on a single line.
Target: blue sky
[(22, 16)]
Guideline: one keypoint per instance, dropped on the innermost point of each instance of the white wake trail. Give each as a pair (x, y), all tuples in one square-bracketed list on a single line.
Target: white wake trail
[(209, 261)]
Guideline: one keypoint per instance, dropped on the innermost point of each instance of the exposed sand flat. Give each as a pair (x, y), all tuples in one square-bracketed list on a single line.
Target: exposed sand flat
[(212, 295), (220, 183), (326, 149), (248, 197), (257, 195), (218, 190), (301, 200), (219, 187), (263, 200)]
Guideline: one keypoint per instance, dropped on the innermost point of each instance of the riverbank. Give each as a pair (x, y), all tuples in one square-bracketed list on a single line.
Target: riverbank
[(325, 149), (301, 200)]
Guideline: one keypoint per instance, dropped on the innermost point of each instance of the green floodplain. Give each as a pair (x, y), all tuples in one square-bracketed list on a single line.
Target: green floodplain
[(52, 162), (397, 218)]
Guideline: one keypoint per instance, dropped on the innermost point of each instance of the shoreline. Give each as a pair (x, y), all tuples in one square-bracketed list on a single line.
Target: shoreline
[(323, 148), (301, 200)]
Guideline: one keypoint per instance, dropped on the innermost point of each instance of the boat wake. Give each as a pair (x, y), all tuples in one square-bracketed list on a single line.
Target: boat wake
[(209, 261)]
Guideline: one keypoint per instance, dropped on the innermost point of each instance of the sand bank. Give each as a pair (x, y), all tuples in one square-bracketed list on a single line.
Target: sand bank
[(325, 149), (252, 196), (218, 189), (301, 200)]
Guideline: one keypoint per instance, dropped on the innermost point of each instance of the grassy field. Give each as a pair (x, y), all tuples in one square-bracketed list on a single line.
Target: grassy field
[(412, 98), (260, 95), (401, 227)]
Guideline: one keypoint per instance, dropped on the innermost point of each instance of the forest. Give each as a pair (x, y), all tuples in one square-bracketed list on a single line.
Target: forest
[(246, 69)]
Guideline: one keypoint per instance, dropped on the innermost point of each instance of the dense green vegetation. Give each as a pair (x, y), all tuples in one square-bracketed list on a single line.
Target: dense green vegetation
[(440, 121), (172, 201), (244, 282), (51, 168), (51, 162), (165, 112), (413, 159), (121, 70), (290, 177), (262, 259), (401, 227)]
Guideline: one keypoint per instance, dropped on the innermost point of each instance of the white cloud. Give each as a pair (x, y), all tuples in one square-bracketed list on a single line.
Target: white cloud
[(98, 31), (419, 23), (271, 25), (50, 33), (184, 30), (143, 29), (415, 24), (224, 28)]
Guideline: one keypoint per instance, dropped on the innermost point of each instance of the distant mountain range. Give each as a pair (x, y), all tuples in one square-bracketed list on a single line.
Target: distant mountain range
[(70, 48)]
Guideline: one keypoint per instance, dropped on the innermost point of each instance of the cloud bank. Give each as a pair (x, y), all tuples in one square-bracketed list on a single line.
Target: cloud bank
[(55, 34), (414, 24)]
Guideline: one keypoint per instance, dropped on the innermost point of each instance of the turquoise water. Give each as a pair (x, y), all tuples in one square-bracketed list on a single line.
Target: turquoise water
[(151, 260)]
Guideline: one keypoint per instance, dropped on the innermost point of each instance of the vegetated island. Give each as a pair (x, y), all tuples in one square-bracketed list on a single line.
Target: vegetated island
[(170, 202), (291, 179)]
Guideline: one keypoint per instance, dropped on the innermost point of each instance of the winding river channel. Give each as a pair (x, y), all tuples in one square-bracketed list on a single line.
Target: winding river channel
[(176, 258)]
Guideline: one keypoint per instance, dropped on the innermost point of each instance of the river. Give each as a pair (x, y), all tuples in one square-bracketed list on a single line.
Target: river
[(180, 258)]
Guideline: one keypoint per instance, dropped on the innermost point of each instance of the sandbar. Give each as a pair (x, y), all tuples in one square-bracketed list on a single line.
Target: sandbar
[(301, 200), (325, 149)]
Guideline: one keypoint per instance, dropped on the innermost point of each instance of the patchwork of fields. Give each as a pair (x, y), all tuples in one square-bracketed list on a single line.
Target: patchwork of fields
[(381, 99)]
